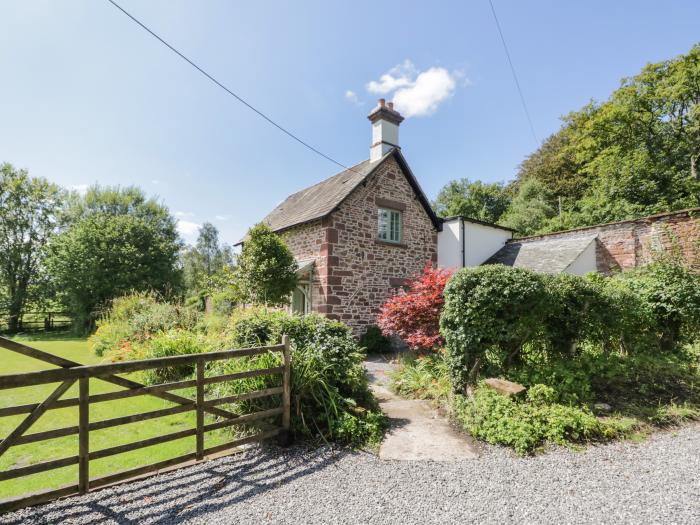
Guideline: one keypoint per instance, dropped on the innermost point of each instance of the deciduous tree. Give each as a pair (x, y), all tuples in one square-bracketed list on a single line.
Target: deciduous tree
[(28, 218), (414, 313), (266, 269), (118, 242)]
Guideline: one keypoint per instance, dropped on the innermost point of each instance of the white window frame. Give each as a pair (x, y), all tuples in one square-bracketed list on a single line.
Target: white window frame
[(391, 230)]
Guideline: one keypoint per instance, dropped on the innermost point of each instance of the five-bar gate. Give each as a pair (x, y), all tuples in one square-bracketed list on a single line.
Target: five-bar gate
[(71, 372)]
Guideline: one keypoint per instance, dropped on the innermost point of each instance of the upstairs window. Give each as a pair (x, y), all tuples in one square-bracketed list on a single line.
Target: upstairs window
[(389, 228)]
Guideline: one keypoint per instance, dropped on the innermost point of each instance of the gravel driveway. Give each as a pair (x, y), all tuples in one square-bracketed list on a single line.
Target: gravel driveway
[(657, 481)]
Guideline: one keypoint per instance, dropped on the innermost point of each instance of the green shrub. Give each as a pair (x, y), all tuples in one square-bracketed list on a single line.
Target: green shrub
[(166, 344), (671, 292), (495, 309), (374, 341), (134, 318), (331, 399)]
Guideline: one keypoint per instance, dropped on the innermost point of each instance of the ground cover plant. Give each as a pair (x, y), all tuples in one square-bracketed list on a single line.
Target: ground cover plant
[(602, 358)]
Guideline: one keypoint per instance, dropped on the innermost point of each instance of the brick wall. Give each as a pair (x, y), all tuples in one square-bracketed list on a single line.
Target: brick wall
[(355, 273), (629, 244)]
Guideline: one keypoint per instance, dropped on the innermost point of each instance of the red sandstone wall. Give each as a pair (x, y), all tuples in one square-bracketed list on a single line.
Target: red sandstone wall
[(362, 271)]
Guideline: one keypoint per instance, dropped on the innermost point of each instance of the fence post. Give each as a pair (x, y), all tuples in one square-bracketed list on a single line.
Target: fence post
[(286, 392), (200, 409), (84, 435)]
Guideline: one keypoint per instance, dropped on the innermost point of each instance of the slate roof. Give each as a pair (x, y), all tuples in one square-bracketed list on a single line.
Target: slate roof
[(317, 201), (545, 255)]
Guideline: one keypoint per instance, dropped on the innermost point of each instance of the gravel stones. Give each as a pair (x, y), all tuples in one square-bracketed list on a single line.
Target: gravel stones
[(650, 482)]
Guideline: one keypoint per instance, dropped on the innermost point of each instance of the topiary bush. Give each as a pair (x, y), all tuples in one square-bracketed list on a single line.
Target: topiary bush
[(490, 309)]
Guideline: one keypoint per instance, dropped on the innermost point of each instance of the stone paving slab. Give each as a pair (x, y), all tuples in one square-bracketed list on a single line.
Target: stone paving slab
[(417, 431)]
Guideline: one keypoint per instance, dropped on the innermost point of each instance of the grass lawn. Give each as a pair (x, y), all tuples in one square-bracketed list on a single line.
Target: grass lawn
[(76, 349)]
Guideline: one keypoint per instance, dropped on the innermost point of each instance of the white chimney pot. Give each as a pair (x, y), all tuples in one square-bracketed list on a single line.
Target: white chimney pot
[(385, 129)]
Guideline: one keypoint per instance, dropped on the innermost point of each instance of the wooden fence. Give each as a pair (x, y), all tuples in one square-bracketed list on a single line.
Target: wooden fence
[(70, 372), (38, 321)]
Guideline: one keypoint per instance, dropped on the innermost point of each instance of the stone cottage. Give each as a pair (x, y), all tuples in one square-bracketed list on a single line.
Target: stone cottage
[(358, 235)]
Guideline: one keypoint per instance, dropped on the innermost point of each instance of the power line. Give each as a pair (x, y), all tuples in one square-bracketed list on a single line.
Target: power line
[(227, 90), (515, 76)]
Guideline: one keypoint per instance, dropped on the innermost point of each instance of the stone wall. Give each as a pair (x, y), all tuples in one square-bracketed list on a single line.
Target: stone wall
[(305, 241), (355, 273), (363, 271), (629, 244)]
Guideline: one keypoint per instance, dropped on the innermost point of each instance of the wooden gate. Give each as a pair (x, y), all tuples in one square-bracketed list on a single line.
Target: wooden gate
[(70, 372)]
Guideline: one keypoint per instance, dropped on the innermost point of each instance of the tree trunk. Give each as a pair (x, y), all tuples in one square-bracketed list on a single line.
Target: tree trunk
[(693, 167)]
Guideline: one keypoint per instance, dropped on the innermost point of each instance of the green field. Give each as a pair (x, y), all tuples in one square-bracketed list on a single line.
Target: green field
[(76, 349)]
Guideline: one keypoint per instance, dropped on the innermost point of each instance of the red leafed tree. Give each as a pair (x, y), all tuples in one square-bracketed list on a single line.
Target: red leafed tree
[(414, 314)]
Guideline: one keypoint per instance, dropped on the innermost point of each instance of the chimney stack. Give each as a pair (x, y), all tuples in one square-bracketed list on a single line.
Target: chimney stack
[(385, 129)]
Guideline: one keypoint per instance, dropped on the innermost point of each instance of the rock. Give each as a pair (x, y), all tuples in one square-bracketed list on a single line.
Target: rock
[(504, 387), (602, 407)]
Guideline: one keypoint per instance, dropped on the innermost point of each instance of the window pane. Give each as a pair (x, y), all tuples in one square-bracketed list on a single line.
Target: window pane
[(395, 226), (383, 231), (389, 225)]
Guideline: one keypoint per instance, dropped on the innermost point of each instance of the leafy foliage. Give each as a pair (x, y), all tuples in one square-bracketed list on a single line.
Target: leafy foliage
[(476, 200), (331, 399), (414, 314), (135, 318), (497, 316), (28, 219), (526, 425), (490, 308), (671, 292), (530, 210), (119, 242), (166, 344), (644, 390), (633, 155), (266, 270), (207, 268), (374, 341)]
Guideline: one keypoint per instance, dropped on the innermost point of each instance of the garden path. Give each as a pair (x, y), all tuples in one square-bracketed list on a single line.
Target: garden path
[(417, 431)]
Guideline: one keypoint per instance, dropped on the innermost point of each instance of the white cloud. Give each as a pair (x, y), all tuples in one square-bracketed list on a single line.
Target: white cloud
[(431, 88), (182, 214), (351, 96), (222, 217), (417, 93), (398, 76), (155, 181), (188, 228), (80, 188)]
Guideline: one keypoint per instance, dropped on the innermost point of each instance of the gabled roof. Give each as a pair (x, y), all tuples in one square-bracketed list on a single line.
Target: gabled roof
[(319, 200), (545, 255)]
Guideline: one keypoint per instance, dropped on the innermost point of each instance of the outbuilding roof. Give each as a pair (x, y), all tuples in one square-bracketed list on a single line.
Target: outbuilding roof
[(546, 255)]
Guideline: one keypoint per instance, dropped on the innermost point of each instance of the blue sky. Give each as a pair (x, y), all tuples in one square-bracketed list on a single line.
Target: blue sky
[(87, 96)]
